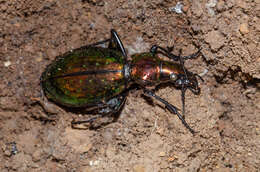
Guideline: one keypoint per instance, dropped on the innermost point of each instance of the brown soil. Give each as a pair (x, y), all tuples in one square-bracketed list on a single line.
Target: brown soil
[(146, 137)]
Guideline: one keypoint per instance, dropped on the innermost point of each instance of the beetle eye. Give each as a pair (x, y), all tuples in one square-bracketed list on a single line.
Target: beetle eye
[(173, 76), (179, 82)]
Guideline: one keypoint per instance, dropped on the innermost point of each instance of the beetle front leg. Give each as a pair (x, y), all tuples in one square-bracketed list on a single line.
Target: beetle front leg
[(98, 43), (114, 43), (170, 107), (155, 49)]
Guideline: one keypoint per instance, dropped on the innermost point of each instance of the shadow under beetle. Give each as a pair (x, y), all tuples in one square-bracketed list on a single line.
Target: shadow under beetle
[(97, 78)]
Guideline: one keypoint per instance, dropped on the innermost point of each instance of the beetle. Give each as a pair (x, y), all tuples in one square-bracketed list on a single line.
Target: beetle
[(98, 78)]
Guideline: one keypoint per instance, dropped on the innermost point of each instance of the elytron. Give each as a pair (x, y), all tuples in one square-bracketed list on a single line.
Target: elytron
[(98, 78)]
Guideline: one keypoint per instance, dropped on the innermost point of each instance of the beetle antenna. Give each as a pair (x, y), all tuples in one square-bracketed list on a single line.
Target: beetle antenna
[(183, 88)]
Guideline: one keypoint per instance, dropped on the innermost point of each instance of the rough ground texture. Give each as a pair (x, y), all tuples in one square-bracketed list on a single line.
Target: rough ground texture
[(146, 137)]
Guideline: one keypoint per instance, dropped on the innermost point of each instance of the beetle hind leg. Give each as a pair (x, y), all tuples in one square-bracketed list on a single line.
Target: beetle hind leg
[(111, 107)]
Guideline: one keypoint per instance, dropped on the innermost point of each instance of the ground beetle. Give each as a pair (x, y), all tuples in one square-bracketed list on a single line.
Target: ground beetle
[(97, 78)]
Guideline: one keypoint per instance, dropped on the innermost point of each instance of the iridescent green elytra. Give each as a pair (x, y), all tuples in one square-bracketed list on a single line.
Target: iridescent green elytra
[(85, 76)]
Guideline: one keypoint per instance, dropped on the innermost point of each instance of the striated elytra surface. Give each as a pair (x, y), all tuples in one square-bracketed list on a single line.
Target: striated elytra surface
[(84, 76)]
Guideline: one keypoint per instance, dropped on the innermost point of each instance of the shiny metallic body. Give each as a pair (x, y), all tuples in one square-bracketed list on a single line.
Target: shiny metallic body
[(97, 78), (84, 77), (148, 69)]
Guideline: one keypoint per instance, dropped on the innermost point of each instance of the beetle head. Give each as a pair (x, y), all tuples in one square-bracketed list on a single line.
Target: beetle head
[(188, 81)]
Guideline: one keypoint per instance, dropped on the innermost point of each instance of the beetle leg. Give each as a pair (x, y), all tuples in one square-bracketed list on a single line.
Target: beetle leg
[(116, 43), (155, 49), (98, 43), (93, 119), (73, 122), (112, 106), (170, 107)]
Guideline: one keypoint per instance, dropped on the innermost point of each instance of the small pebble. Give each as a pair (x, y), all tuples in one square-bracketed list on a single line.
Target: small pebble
[(162, 154), (215, 39), (172, 158), (139, 168), (36, 156), (244, 28), (177, 8), (7, 63), (94, 163)]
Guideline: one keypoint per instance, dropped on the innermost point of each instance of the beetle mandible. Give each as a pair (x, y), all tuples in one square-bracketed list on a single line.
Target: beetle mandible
[(97, 78)]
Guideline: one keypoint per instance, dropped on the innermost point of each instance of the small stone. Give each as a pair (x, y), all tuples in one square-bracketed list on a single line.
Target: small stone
[(139, 168), (88, 147), (94, 163), (244, 28), (7, 63), (37, 155), (210, 6), (215, 40), (172, 158), (177, 8), (162, 154), (221, 5), (78, 140), (7, 153)]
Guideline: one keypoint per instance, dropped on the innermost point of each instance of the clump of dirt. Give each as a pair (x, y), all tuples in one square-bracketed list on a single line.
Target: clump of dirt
[(146, 137)]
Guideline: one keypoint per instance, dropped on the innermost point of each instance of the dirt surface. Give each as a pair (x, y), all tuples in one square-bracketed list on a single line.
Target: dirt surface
[(146, 137)]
